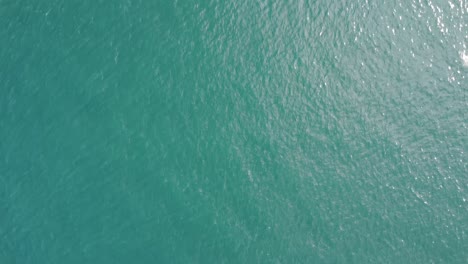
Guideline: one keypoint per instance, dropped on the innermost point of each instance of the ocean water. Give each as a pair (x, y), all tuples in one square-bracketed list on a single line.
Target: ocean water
[(234, 131)]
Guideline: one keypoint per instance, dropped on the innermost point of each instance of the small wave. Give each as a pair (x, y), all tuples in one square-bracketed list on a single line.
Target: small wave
[(464, 58)]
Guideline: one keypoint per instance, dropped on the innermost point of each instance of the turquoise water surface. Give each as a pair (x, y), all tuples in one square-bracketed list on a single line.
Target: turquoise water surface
[(234, 131)]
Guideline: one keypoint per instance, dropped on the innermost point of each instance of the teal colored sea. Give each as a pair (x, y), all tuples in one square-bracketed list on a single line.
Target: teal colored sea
[(229, 131)]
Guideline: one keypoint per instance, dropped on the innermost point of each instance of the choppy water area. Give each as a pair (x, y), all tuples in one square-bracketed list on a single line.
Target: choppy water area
[(234, 131)]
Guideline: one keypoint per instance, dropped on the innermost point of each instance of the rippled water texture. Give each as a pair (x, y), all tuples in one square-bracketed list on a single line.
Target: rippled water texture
[(233, 131)]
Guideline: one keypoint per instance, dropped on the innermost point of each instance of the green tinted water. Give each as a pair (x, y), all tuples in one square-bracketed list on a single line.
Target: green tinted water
[(233, 132)]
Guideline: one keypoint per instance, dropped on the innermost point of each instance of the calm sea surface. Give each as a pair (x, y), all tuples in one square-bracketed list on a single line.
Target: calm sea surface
[(234, 131)]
